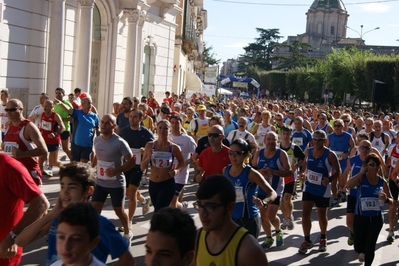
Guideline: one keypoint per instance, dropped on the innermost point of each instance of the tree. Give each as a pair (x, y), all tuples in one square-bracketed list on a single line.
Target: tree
[(296, 57), (260, 52), (209, 56)]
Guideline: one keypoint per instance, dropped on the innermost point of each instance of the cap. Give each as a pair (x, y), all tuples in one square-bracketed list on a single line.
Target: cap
[(165, 110), (177, 105), (201, 107), (387, 118)]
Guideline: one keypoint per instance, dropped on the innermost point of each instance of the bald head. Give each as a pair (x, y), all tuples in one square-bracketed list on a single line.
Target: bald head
[(216, 129), (15, 103), (109, 118)]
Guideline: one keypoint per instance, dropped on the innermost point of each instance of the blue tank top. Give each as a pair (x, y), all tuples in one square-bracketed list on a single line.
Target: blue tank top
[(318, 168), (244, 192), (323, 128), (276, 182), (356, 165), (367, 198), (339, 143)]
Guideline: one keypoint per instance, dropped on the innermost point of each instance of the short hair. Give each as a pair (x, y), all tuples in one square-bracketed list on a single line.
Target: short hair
[(177, 117), (128, 99), (177, 224), (61, 90), (83, 214), (6, 92), (364, 135), (45, 95), (78, 172), (320, 132), (76, 90), (373, 157), (218, 119), (217, 185), (286, 128), (298, 118)]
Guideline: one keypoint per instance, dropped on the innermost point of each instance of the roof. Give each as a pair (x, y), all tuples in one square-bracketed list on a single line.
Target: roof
[(328, 3)]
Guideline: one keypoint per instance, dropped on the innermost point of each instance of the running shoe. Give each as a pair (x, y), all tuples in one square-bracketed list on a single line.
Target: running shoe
[(391, 235), (279, 238), (128, 238), (335, 203), (351, 239), (284, 224), (146, 206), (323, 245), (267, 243), (343, 198), (184, 205), (48, 172), (290, 223), (361, 257), (305, 246)]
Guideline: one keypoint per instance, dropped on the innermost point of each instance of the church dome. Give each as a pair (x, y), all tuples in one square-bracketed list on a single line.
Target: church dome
[(328, 4)]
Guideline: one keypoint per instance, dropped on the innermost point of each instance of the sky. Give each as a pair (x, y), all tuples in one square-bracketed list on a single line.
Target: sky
[(232, 23)]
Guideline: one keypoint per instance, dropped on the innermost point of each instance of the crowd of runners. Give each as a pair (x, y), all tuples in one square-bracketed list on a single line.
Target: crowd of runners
[(265, 149)]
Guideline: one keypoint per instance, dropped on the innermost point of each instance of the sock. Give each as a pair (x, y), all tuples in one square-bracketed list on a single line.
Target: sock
[(144, 201), (322, 236), (307, 239)]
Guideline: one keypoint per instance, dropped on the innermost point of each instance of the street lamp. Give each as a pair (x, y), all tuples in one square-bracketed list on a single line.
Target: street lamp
[(361, 34)]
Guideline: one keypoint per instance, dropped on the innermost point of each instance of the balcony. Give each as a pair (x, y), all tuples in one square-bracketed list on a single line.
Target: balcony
[(189, 39)]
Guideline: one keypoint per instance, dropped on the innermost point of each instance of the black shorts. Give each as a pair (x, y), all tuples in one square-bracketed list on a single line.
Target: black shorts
[(275, 202), (65, 135), (80, 153), (289, 188), (117, 194), (133, 177), (320, 202), (350, 204), (178, 188), (394, 189), (52, 147)]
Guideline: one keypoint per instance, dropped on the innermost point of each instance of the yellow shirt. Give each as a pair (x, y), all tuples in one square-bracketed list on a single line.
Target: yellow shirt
[(226, 257), (146, 122)]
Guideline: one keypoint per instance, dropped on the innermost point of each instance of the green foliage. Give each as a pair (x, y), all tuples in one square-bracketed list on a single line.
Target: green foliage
[(209, 56)]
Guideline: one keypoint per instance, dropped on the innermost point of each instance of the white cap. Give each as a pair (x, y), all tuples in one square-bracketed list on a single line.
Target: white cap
[(387, 118)]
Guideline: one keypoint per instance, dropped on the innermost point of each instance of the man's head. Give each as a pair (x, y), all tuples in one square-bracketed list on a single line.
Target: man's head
[(270, 140), (216, 120), (338, 126), (48, 106), (86, 104), (298, 123), (215, 201), (127, 104), (14, 108), (77, 183), (286, 132), (165, 112), (215, 135), (171, 238), (364, 148), (377, 126), (242, 123), (59, 93), (176, 123), (319, 138), (201, 109), (107, 124), (43, 97), (135, 118), (5, 94), (322, 117), (77, 92), (77, 233)]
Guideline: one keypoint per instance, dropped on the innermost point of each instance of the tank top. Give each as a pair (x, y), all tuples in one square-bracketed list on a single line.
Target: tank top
[(356, 165), (186, 124), (379, 144), (292, 160), (151, 103), (244, 191), (48, 125), (323, 128), (317, 169), (261, 133), (367, 203), (276, 182), (227, 256), (14, 137), (339, 143), (162, 159)]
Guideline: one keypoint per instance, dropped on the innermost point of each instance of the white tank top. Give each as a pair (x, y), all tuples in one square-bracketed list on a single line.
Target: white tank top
[(261, 133)]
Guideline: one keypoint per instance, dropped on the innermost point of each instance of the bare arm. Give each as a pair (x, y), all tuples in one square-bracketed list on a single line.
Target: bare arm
[(250, 253), (32, 133), (255, 177), (68, 109), (126, 259), (146, 156)]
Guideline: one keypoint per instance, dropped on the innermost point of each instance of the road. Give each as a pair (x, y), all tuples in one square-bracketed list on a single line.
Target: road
[(338, 252)]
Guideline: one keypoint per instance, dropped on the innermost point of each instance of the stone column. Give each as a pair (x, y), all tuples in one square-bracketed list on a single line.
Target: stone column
[(55, 62), (132, 17), (140, 50), (84, 48)]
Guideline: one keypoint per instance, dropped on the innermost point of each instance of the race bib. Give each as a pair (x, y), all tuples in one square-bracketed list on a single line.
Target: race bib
[(314, 177), (8, 147), (101, 167), (339, 154), (394, 160), (239, 194), (162, 159), (297, 141), (370, 204), (46, 125), (136, 155)]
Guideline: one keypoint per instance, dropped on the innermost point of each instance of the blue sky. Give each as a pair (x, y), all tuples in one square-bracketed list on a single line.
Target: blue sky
[(231, 24)]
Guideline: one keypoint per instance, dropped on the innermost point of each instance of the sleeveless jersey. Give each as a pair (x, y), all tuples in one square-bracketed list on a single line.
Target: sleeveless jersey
[(356, 165), (151, 103), (14, 137), (378, 143), (227, 256), (394, 154), (292, 160), (317, 169), (186, 124), (367, 203), (323, 128), (244, 191), (261, 133), (276, 182), (48, 125), (162, 159)]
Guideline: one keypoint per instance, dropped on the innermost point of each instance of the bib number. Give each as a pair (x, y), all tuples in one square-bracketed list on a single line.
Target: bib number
[(239, 194), (8, 147), (136, 155), (46, 125), (297, 141), (339, 154), (314, 177), (101, 167), (370, 204)]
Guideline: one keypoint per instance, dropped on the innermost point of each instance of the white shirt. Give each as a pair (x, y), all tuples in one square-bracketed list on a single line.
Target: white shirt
[(37, 110)]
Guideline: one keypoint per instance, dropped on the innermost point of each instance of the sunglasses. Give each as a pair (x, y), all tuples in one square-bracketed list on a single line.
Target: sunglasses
[(319, 139), (372, 164), (13, 109), (235, 153), (337, 125), (214, 135), (346, 121), (365, 147)]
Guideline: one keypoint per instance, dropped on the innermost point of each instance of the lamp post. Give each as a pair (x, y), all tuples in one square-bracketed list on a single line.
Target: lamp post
[(361, 34)]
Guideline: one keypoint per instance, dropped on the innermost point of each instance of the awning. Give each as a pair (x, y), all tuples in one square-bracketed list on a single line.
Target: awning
[(193, 82)]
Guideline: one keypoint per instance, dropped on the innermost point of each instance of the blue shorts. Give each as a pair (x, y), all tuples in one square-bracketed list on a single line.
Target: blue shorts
[(52, 147)]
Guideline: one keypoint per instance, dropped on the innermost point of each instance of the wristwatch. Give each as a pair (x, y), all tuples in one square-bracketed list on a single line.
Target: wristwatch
[(13, 235)]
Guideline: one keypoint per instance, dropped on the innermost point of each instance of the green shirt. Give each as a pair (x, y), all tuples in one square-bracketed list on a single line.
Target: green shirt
[(63, 114)]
